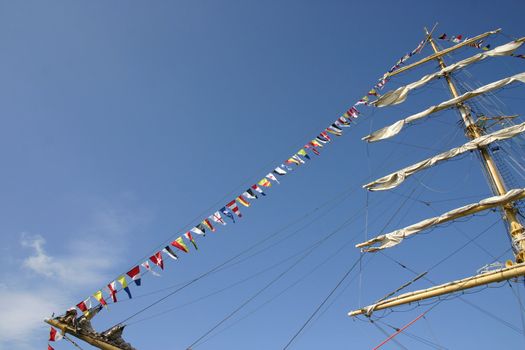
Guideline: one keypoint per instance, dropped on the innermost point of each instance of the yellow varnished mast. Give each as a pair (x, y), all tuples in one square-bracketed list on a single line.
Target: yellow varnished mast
[(473, 131), (515, 228)]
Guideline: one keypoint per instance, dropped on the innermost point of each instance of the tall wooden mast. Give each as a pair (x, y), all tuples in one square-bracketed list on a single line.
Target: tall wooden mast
[(515, 228), (473, 131)]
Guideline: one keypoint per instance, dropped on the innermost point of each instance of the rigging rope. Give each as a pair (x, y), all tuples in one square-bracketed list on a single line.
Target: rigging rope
[(400, 330), (322, 303), (249, 299)]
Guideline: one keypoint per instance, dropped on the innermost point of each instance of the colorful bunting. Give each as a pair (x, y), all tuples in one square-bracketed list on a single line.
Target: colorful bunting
[(113, 291), (249, 194), (54, 335), (279, 171), (85, 305), (134, 273), (189, 237), (309, 146), (202, 228), (228, 214), (321, 140), (272, 177), (148, 268), (234, 208), (264, 182), (179, 243), (243, 201), (231, 208), (316, 143), (157, 260), (325, 136), (299, 159), (208, 224), (100, 298), (124, 284), (197, 230), (216, 217), (167, 249), (303, 153), (287, 167), (293, 161)]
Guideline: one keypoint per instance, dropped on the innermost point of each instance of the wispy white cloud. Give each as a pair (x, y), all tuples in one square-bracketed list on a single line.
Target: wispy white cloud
[(41, 282), (22, 315), (72, 270)]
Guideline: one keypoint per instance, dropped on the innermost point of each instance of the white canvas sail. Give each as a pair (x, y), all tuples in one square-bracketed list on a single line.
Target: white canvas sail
[(395, 128), (400, 94), (394, 179), (394, 238)]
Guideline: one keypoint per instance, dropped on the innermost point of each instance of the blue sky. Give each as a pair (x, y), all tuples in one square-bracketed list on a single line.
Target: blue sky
[(124, 124)]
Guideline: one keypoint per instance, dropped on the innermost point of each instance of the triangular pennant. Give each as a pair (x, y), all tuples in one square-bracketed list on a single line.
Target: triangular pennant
[(264, 182), (234, 208), (100, 298), (146, 265), (134, 273), (179, 244), (202, 227), (157, 260), (258, 189), (279, 171), (54, 335), (208, 224), (287, 167), (342, 121), (112, 287), (325, 136), (316, 143), (189, 237), (272, 177), (228, 213), (216, 217), (198, 231), (332, 130), (167, 249), (311, 147), (249, 194), (243, 201), (296, 157), (124, 284), (303, 153), (85, 305)]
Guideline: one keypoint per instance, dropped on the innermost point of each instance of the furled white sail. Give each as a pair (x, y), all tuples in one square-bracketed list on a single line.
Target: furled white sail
[(395, 128), (394, 179), (394, 238), (400, 94)]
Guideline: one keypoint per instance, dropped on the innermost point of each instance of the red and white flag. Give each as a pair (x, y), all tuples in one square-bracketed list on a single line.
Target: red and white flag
[(54, 335), (216, 217), (272, 177), (134, 273), (147, 266), (113, 291), (234, 208), (157, 260)]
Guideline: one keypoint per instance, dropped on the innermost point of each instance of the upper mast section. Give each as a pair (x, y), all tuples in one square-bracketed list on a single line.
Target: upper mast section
[(516, 229)]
